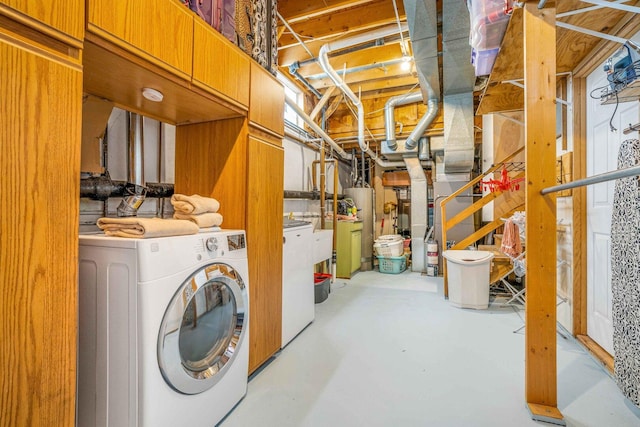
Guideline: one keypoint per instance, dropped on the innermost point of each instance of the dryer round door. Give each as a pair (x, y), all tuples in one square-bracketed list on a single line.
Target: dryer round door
[(202, 329)]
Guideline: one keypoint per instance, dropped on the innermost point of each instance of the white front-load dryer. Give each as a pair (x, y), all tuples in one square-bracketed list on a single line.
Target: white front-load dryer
[(163, 329)]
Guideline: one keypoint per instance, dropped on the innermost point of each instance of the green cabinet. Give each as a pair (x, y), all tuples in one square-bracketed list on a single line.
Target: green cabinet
[(348, 248)]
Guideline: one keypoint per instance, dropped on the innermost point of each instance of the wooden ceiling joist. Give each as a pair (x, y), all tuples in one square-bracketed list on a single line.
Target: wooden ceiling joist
[(571, 50), (327, 26)]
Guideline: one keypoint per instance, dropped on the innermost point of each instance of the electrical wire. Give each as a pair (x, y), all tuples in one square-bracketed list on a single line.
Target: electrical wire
[(403, 48), (618, 80), (611, 127)]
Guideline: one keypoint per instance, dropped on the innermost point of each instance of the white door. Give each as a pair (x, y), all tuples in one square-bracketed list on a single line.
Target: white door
[(602, 155)]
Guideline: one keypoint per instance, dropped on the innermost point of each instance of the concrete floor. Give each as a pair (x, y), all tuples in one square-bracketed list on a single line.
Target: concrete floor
[(388, 350)]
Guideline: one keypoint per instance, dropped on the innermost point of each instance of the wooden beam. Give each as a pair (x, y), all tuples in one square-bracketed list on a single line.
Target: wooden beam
[(374, 14), (373, 79), (579, 267), (363, 57), (540, 155), (296, 10)]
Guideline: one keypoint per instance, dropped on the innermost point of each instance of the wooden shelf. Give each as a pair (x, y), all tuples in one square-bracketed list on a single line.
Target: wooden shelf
[(572, 50), (628, 94)]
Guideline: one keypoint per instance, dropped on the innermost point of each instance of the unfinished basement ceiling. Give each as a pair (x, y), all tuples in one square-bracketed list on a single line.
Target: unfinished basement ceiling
[(376, 72)]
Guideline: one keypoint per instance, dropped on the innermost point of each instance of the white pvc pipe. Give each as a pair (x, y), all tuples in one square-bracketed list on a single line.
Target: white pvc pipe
[(323, 60), (317, 129)]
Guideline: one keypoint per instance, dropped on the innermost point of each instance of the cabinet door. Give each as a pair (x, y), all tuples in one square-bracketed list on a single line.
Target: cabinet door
[(40, 106), (61, 19), (265, 186), (218, 65), (356, 250), (266, 106), (160, 31)]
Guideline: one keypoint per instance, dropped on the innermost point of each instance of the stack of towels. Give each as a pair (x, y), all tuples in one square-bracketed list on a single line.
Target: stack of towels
[(203, 211), (143, 228), (191, 214)]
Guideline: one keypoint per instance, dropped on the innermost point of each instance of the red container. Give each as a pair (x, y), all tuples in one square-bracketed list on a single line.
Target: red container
[(320, 277)]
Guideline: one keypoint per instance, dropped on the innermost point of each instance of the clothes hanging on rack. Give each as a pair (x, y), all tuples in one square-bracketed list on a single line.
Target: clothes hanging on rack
[(625, 274), (511, 239)]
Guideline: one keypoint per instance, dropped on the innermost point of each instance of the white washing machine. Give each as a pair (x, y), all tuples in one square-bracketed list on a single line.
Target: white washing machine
[(163, 329)]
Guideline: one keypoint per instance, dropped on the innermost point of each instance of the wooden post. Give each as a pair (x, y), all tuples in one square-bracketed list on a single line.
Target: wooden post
[(540, 155), (579, 267)]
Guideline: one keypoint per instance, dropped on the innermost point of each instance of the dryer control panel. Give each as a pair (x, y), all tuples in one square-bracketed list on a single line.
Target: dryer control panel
[(236, 241)]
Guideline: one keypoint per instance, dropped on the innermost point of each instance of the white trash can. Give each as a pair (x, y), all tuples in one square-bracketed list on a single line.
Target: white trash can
[(468, 278)]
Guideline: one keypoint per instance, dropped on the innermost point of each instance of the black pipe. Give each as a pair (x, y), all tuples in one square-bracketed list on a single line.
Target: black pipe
[(309, 195), (101, 188)]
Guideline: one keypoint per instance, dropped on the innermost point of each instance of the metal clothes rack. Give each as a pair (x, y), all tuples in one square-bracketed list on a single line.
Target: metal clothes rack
[(595, 179)]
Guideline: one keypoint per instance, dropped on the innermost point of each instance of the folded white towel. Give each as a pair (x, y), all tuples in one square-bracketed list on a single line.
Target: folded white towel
[(146, 227), (194, 204), (203, 220)]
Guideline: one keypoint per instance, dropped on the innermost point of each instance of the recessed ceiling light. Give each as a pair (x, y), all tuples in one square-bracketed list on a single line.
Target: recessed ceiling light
[(152, 94)]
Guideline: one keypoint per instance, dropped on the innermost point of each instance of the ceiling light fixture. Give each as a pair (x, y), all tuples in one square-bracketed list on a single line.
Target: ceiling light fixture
[(152, 94), (406, 63)]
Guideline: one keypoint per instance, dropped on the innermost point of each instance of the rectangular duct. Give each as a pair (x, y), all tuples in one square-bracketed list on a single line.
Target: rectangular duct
[(419, 211), (422, 19), (458, 133), (458, 88), (458, 74)]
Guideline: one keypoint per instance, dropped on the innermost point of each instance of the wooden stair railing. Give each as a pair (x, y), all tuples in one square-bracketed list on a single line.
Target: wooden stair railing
[(448, 224)]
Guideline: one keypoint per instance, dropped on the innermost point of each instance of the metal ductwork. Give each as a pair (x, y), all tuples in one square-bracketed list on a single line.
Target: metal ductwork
[(423, 124), (419, 215), (458, 74), (458, 133), (305, 117), (389, 119), (458, 89), (422, 19)]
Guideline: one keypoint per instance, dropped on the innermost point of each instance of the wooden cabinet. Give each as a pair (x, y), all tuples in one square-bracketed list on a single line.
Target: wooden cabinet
[(218, 65), (348, 248), (60, 19), (265, 186), (160, 31), (40, 106), (246, 174), (266, 106)]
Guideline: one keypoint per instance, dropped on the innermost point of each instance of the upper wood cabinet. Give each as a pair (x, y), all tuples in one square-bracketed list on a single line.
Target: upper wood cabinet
[(218, 65), (266, 106), (60, 19), (160, 31)]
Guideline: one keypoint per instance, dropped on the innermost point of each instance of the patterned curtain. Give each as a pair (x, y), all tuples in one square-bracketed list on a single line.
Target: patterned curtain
[(257, 28), (625, 275)]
